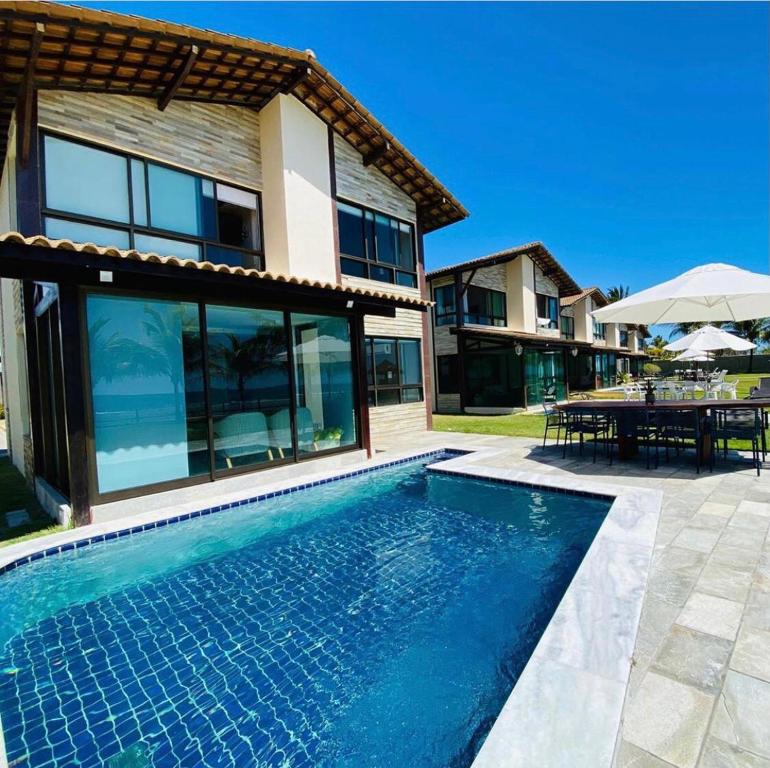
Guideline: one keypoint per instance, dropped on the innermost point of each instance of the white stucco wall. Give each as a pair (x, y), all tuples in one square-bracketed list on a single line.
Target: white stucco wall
[(297, 203), (520, 296)]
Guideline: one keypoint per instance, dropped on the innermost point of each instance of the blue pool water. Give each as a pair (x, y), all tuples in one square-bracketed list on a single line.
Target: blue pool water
[(381, 620)]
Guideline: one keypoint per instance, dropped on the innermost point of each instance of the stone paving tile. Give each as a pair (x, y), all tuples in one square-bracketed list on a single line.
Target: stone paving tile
[(742, 714), (712, 615), (735, 556), (721, 510), (699, 539), (630, 756), (757, 613), (756, 507), (718, 754), (693, 658), (752, 654), (725, 581), (668, 719)]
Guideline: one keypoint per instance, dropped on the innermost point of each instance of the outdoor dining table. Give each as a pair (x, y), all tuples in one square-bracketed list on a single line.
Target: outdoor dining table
[(628, 444)]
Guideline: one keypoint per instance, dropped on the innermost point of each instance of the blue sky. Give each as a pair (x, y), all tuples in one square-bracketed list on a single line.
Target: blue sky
[(631, 138)]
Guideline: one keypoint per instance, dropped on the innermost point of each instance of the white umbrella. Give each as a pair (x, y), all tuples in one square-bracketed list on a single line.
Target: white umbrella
[(707, 338), (695, 356), (707, 293)]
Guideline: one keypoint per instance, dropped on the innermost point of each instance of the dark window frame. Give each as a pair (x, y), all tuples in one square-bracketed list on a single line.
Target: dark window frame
[(449, 316), (374, 388), (498, 321), (568, 332), (600, 331), (623, 338), (552, 309), (368, 262), (255, 258)]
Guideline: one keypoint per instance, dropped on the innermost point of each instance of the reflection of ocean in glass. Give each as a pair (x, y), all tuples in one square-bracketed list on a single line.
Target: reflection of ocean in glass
[(147, 391)]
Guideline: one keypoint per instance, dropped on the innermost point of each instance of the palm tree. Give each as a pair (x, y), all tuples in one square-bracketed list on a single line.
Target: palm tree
[(753, 331), (617, 292)]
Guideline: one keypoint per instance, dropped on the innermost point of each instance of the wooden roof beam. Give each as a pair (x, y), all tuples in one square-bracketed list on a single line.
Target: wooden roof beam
[(178, 78), (376, 154), (26, 93)]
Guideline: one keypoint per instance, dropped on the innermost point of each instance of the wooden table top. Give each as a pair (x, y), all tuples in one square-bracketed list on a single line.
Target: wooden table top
[(679, 405)]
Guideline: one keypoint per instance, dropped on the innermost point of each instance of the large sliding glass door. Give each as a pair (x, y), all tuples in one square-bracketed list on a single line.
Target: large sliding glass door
[(324, 382), (544, 375), (183, 390), (249, 388), (147, 393)]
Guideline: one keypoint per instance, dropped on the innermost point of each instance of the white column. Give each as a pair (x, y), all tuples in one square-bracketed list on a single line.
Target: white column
[(296, 199)]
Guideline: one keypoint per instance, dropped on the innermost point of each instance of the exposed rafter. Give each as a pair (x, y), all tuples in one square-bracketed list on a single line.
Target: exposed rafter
[(376, 154), (27, 91), (179, 77)]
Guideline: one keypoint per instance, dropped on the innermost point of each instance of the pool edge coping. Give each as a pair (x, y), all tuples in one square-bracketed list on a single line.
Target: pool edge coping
[(567, 704), (550, 657)]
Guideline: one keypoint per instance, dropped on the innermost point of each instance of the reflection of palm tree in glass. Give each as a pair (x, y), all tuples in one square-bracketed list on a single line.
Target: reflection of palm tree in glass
[(113, 356), (246, 358)]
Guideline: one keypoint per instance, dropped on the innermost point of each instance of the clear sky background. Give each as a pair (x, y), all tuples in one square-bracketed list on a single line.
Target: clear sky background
[(631, 138)]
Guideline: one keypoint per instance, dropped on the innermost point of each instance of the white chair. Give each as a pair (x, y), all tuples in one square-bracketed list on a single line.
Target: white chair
[(729, 390), (674, 393), (632, 392)]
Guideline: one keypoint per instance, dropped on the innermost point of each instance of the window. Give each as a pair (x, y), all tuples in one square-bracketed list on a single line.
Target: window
[(568, 327), (184, 390), (484, 306), (376, 246), (394, 371), (108, 198), (447, 371), (324, 383), (146, 369), (445, 305), (547, 309), (600, 331), (623, 338)]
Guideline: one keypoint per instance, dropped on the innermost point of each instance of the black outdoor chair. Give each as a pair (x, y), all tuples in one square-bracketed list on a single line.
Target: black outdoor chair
[(594, 423), (553, 420), (738, 424)]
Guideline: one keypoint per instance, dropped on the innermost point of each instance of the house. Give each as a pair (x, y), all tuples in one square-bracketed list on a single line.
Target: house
[(211, 258), (513, 329)]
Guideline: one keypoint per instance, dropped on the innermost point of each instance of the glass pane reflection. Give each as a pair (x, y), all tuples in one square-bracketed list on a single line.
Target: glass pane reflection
[(324, 382), (249, 385)]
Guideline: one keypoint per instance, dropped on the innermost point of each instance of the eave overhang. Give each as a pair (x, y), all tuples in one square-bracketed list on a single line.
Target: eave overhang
[(42, 259)]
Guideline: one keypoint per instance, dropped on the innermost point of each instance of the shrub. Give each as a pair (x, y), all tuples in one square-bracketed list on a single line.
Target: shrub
[(650, 369)]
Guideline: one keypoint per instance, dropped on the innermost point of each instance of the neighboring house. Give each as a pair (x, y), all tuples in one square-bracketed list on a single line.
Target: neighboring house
[(513, 328), (211, 256)]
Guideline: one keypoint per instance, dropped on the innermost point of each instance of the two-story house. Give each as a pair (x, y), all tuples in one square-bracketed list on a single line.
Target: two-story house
[(513, 328), (211, 258)]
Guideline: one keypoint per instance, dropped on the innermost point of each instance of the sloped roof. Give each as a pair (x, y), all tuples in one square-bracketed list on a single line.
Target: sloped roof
[(206, 266), (597, 293), (535, 250), (79, 49)]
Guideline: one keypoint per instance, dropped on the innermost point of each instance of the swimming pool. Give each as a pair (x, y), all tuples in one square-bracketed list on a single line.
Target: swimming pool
[(381, 620)]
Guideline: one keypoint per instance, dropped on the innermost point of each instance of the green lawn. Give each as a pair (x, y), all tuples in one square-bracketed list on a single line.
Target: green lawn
[(16, 494), (532, 424)]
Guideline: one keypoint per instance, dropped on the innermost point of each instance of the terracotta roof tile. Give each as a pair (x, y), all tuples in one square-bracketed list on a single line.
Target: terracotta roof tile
[(153, 258)]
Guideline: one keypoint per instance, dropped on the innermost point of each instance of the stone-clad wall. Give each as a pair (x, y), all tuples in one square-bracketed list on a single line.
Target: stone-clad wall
[(493, 277), (367, 185), (544, 284), (392, 424), (215, 139)]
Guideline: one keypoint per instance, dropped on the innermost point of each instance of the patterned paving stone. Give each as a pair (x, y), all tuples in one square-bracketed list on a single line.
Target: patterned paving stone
[(668, 720), (718, 754), (752, 653), (712, 615), (741, 715), (693, 658)]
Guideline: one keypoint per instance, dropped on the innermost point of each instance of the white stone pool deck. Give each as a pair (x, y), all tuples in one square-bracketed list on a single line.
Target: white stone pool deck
[(698, 693)]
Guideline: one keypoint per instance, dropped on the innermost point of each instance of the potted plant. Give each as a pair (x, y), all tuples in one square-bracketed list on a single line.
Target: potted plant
[(330, 437)]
